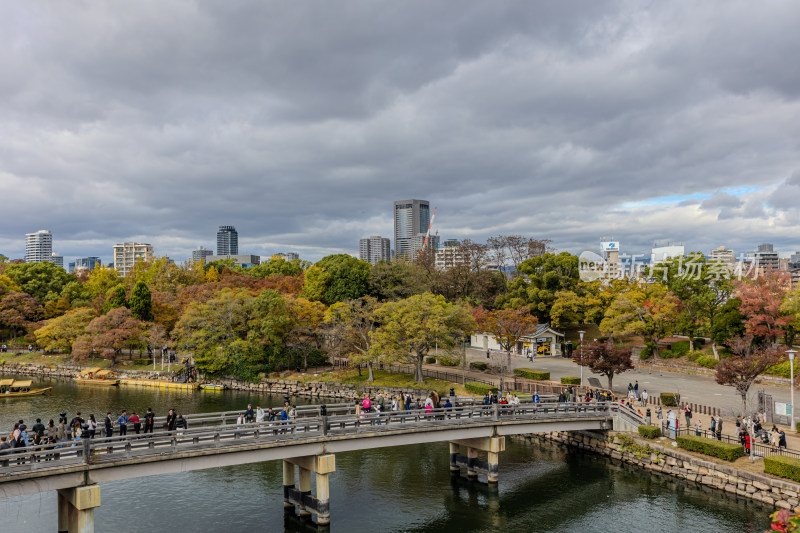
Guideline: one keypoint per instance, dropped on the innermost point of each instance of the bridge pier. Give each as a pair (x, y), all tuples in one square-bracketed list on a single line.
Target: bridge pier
[(76, 509), (301, 497), (492, 446)]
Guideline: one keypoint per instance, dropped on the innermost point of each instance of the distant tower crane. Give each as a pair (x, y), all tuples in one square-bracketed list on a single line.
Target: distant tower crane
[(428, 234)]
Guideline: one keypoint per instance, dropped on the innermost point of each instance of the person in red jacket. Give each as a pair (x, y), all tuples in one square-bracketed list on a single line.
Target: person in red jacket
[(137, 424)]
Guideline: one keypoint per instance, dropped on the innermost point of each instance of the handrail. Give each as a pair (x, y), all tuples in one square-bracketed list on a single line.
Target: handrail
[(225, 436)]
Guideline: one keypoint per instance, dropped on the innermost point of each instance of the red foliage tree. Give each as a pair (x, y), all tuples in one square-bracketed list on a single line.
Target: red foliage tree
[(109, 335), (749, 360), (18, 311), (761, 305), (607, 359)]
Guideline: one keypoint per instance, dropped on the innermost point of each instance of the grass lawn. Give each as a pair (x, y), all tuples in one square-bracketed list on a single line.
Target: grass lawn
[(382, 379)]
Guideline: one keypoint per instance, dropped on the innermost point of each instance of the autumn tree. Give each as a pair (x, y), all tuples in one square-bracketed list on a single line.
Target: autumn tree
[(790, 309), (749, 360), (650, 311), (306, 318), (351, 325), (109, 335), (606, 359), (18, 312), (141, 302), (410, 328), (761, 306), (61, 332), (508, 327)]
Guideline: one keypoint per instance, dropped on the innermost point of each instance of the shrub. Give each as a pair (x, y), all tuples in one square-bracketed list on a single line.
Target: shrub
[(670, 399), (142, 362), (449, 361), (479, 388), (781, 466), (782, 369), (714, 448), (707, 362), (694, 355), (532, 374), (478, 366), (649, 432), (571, 380), (430, 360), (646, 352), (680, 348)]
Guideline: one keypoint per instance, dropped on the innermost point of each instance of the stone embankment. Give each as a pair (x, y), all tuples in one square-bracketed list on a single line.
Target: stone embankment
[(656, 457), (266, 386)]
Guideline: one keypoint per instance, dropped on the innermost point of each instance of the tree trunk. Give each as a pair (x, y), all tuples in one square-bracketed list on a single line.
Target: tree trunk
[(714, 349), (744, 403), (691, 343), (610, 382), (418, 377), (371, 375)]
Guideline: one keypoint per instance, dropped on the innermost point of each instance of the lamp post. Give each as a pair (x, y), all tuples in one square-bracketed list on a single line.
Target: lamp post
[(791, 383), (581, 333)]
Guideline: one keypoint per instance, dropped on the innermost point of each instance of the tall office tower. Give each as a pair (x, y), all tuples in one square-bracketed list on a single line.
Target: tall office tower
[(411, 218), (127, 254), (199, 255), (765, 257), (374, 249), (58, 260), (84, 264), (227, 241), (39, 246)]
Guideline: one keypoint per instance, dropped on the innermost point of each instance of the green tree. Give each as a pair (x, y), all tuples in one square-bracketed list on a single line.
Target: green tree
[(277, 267), (650, 311), (398, 279), (116, 298), (351, 325), (141, 302), (410, 328), (343, 277), (61, 332), (728, 323), (100, 281), (76, 294), (44, 281), (162, 275), (541, 278), (271, 321)]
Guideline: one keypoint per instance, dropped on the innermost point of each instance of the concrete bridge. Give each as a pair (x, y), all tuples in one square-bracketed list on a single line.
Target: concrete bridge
[(307, 444)]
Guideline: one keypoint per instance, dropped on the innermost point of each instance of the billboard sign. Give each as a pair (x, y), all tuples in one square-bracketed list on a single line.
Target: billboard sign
[(610, 246)]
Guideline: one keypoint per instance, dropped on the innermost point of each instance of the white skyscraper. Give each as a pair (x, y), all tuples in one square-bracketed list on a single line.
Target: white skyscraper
[(411, 219), (39, 246)]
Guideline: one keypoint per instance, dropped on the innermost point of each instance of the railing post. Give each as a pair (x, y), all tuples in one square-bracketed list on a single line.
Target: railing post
[(496, 413), (86, 452), (325, 425)]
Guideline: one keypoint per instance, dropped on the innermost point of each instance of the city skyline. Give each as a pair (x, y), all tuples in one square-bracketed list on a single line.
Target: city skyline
[(564, 121)]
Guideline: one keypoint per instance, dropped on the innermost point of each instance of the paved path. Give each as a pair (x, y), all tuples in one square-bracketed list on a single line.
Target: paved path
[(694, 388)]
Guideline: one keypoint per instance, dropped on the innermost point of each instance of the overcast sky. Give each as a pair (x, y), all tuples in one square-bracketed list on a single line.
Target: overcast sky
[(299, 123)]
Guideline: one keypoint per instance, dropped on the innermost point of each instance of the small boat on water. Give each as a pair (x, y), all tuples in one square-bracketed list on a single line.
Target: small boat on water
[(10, 388), (98, 376), (213, 386)]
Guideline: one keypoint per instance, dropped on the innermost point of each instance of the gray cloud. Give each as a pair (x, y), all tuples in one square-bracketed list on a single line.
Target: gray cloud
[(300, 124)]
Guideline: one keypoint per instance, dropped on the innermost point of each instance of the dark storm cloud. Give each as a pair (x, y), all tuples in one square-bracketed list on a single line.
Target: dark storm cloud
[(301, 123)]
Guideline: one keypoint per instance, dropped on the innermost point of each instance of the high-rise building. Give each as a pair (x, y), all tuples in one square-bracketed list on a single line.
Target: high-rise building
[(450, 254), (374, 249), (39, 246), (84, 263), (57, 260), (199, 255), (227, 241), (765, 257), (722, 254), (242, 260), (411, 218), (127, 254), (664, 251)]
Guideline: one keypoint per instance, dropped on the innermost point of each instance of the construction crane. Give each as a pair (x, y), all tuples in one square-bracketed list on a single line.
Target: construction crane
[(428, 234)]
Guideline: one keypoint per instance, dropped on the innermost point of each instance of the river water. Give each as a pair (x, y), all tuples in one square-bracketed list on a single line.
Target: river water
[(542, 488)]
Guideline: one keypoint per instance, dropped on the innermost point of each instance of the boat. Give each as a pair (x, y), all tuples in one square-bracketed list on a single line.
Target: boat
[(10, 388), (213, 386), (98, 376)]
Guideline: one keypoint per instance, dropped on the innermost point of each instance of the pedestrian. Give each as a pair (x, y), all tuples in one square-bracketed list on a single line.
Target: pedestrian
[(171, 419), (122, 422), (687, 413), (38, 431), (487, 353), (181, 425), (395, 404), (697, 428), (149, 419), (109, 425), (407, 403), (240, 421), (782, 439), (91, 427), (644, 397), (775, 437), (366, 404), (52, 432), (249, 414), (137, 423), (293, 413), (660, 415), (260, 415), (747, 443), (636, 389), (270, 415), (719, 428)]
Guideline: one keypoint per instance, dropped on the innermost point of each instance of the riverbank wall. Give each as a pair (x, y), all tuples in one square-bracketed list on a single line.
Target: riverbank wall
[(662, 457), (282, 387)]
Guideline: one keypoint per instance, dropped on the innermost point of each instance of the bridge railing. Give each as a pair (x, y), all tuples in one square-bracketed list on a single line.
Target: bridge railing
[(102, 450)]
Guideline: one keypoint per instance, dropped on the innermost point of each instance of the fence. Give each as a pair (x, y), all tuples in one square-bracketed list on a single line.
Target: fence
[(760, 449), (697, 409)]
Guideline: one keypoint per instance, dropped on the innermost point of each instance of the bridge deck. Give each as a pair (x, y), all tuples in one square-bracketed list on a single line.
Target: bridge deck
[(41, 468)]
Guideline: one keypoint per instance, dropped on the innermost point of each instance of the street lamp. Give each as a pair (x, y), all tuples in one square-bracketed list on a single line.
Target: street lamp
[(581, 332), (791, 382)]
